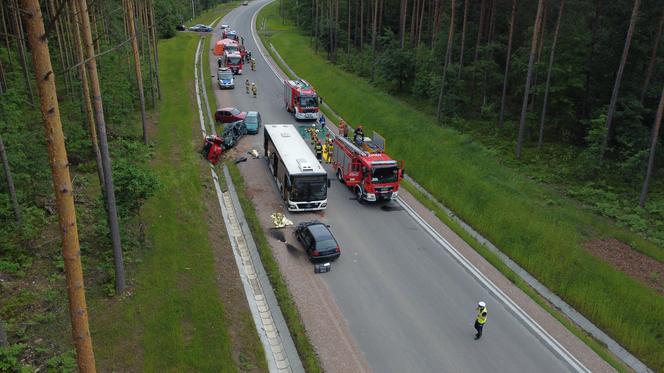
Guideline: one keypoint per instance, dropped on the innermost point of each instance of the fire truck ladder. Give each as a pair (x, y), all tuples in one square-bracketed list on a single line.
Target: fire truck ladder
[(349, 144)]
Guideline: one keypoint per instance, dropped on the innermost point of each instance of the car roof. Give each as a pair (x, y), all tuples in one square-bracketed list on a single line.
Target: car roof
[(229, 108), (320, 231), (252, 113)]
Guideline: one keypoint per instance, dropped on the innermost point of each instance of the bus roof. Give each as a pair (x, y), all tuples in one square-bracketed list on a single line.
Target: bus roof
[(293, 150)]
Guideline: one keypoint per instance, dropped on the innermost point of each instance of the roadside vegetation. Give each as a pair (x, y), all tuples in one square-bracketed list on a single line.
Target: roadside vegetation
[(537, 224), (175, 313)]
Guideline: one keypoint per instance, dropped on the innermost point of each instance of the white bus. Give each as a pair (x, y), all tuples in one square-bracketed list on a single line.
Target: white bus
[(301, 179)]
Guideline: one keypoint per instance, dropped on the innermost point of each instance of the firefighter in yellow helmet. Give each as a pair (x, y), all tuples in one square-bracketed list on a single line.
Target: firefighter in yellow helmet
[(480, 320), (254, 90)]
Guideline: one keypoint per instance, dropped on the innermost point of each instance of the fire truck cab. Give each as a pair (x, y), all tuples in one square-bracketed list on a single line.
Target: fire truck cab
[(300, 99), (233, 61), (367, 170)]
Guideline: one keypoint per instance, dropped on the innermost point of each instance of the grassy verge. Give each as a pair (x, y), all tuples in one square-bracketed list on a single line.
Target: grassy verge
[(173, 320), (536, 226), (304, 347)]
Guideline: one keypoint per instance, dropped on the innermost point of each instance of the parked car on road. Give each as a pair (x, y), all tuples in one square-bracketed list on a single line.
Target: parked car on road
[(224, 26), (229, 114), (245, 3), (225, 78), (317, 241), (181, 27), (253, 122), (200, 28)]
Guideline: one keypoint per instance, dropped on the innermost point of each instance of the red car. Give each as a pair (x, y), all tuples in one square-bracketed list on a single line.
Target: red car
[(229, 114)]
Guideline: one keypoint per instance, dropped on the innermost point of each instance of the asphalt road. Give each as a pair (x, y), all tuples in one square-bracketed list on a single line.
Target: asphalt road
[(409, 305)]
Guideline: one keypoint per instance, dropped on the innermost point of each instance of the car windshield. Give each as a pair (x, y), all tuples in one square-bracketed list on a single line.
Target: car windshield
[(234, 111), (251, 120), (234, 60), (308, 101), (226, 75), (231, 47), (382, 175), (309, 188)]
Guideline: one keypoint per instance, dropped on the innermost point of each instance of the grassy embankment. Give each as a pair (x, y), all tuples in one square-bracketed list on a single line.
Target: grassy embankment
[(173, 320), (540, 229)]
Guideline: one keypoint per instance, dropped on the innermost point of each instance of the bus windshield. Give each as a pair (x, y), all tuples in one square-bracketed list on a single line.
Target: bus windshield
[(383, 175), (308, 188)]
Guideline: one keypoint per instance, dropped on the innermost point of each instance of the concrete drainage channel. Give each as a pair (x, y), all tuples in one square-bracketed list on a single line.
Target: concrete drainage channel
[(280, 351)]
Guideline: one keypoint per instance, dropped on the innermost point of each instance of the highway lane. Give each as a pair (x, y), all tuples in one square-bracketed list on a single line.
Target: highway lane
[(408, 303)]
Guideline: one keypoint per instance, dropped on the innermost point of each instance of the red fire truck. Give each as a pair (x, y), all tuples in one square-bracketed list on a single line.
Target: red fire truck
[(366, 169), (300, 99), (233, 61)]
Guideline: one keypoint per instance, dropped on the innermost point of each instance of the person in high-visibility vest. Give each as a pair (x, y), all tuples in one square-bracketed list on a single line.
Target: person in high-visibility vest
[(254, 90), (325, 151), (330, 150), (253, 64), (247, 85), (319, 150), (480, 320)]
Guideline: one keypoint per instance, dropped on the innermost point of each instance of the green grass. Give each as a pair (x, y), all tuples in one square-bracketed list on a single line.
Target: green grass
[(304, 347), (173, 320), (536, 226)]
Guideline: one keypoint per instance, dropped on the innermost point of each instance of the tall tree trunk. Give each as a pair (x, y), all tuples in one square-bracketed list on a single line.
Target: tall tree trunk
[(619, 74), (653, 146), (374, 26), (91, 64), (403, 10), (540, 47), (587, 110), (448, 57), (3, 79), (548, 74), (350, 11), (20, 41), (317, 25), (463, 37), (149, 54), (59, 37), (4, 17), (420, 22), (491, 27), (653, 59), (10, 182), (361, 25), (480, 28), (89, 111), (501, 119), (529, 75), (137, 67), (62, 185), (413, 22), (155, 48)]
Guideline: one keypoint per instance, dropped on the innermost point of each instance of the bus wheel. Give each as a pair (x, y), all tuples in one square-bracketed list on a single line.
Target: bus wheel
[(340, 177)]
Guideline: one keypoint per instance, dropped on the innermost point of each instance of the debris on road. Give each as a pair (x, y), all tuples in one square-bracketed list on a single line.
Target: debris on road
[(279, 220)]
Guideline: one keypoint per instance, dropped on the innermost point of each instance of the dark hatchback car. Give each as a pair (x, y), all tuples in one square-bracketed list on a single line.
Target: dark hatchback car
[(232, 133), (229, 114), (317, 241)]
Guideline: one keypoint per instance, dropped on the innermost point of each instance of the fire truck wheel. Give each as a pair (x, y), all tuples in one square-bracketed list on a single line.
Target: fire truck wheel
[(358, 193), (340, 177)]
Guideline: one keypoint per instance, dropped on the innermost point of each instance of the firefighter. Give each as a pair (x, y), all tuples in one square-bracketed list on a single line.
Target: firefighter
[(343, 128), (480, 320), (319, 150), (330, 151), (312, 134), (253, 64), (358, 135), (247, 85), (254, 90), (325, 152)]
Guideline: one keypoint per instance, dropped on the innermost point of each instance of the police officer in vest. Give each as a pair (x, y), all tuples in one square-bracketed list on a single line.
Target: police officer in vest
[(481, 319)]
